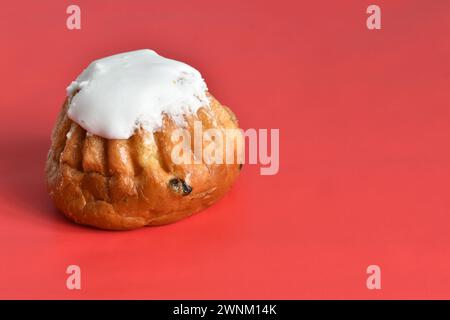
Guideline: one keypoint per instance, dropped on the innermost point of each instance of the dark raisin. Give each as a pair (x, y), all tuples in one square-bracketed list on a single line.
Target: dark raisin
[(180, 186), (240, 166)]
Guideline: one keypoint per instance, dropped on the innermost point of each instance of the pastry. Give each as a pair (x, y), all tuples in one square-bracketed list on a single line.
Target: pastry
[(111, 163)]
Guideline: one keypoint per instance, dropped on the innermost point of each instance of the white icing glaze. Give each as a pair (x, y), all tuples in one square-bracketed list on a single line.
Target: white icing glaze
[(71, 130), (117, 94)]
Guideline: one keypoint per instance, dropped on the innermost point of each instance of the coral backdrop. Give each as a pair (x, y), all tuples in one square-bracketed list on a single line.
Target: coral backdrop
[(364, 150)]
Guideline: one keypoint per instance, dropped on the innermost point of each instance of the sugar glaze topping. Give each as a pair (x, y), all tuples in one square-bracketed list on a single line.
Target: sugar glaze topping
[(116, 95)]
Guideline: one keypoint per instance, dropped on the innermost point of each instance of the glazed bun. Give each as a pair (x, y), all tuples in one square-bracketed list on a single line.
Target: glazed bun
[(122, 183)]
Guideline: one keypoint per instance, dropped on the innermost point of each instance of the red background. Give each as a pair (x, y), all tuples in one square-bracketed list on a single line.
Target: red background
[(364, 158)]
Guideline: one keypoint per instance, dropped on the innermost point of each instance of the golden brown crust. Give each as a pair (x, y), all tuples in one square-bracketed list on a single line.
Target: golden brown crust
[(127, 184)]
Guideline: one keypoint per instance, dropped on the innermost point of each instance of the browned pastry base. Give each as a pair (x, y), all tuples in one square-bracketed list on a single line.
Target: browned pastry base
[(127, 184)]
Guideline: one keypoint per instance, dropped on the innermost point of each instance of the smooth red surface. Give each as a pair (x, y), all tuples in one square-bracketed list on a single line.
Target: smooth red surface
[(364, 151)]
